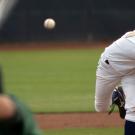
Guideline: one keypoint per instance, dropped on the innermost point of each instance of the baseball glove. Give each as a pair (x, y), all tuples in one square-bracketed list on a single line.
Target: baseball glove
[(118, 99)]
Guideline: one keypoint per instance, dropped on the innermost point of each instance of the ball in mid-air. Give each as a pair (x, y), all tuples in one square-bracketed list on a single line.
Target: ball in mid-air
[(49, 23)]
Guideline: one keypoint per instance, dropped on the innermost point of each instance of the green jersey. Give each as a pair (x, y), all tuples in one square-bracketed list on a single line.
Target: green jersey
[(21, 124)]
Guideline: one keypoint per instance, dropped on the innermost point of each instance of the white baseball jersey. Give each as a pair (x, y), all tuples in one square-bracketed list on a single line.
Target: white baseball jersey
[(121, 53), (119, 68)]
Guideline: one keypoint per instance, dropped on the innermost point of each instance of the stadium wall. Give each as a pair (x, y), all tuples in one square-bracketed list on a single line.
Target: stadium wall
[(76, 20)]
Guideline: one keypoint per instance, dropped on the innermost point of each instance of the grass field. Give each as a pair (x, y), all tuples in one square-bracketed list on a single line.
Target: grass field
[(52, 81), (89, 131)]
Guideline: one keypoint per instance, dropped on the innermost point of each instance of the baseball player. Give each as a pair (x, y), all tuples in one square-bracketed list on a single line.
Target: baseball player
[(117, 65)]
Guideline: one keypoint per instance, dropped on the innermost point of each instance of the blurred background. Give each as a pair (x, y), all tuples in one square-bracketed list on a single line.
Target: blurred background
[(76, 20), (59, 80)]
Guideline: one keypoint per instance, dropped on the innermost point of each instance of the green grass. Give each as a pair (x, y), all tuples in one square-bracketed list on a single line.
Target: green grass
[(86, 131), (52, 81)]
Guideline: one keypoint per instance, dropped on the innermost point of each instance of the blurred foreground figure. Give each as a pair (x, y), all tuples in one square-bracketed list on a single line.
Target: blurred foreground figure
[(6, 7), (117, 65), (15, 117)]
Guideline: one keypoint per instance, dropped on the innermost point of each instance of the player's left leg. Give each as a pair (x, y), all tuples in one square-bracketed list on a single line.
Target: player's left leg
[(106, 80)]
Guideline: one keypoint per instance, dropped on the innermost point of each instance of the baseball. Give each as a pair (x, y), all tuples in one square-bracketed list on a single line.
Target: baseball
[(49, 23)]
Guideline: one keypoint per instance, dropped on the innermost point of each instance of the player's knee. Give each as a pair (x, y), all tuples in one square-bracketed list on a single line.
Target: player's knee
[(100, 107)]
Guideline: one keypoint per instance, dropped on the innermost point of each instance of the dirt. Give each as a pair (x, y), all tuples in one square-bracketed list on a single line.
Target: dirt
[(78, 120), (51, 46)]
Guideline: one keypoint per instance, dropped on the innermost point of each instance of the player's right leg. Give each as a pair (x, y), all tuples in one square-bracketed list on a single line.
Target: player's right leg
[(128, 83)]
